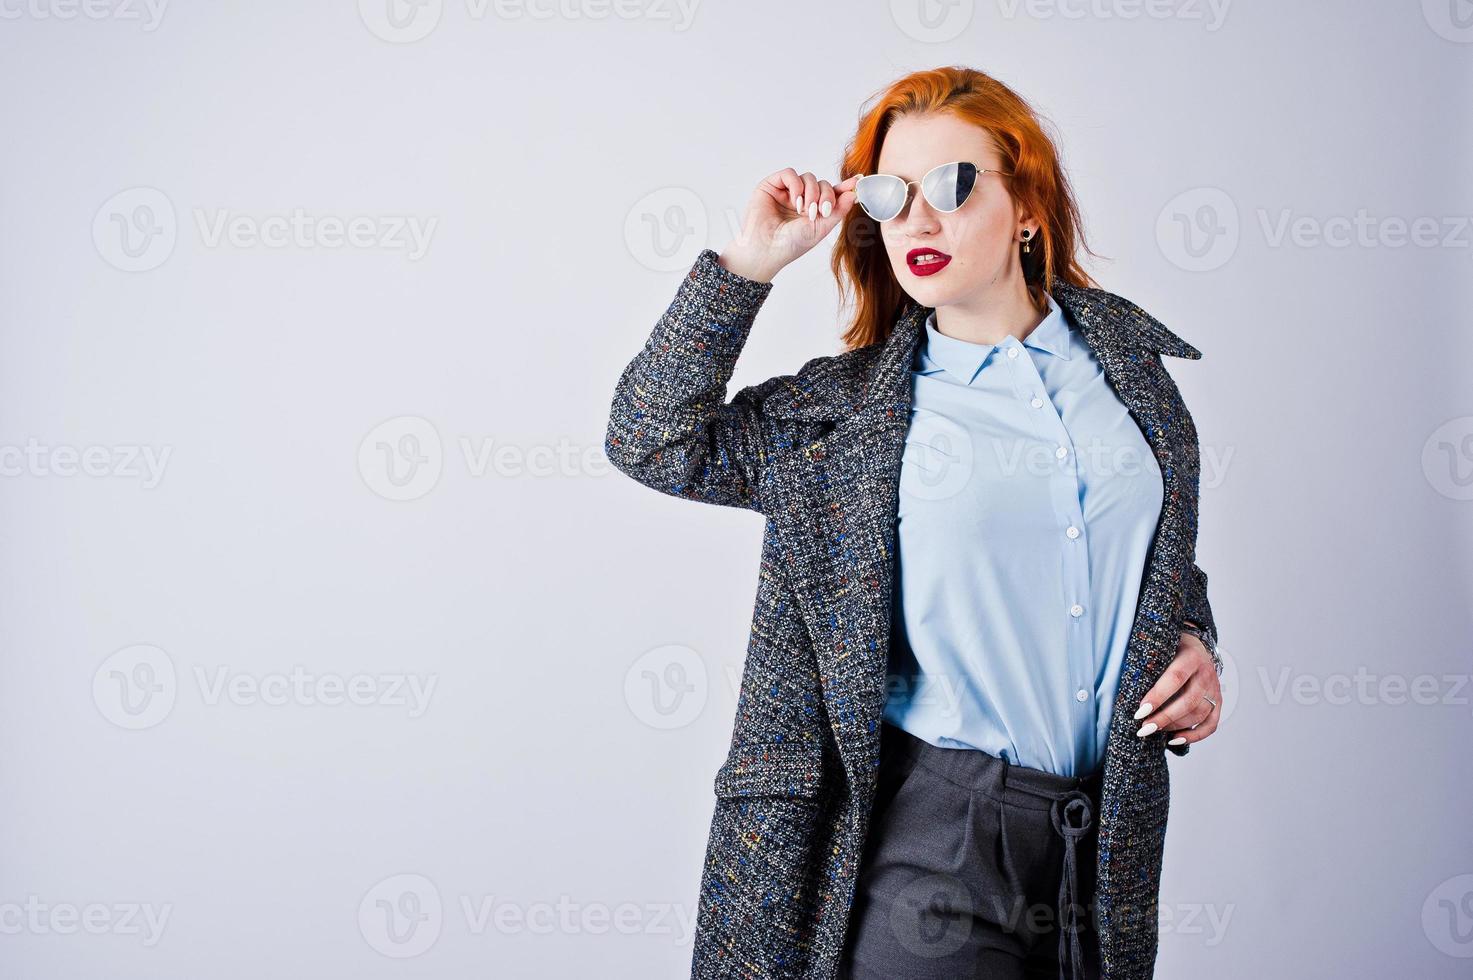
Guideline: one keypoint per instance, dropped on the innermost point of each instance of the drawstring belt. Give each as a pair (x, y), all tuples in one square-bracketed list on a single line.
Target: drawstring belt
[(1073, 814)]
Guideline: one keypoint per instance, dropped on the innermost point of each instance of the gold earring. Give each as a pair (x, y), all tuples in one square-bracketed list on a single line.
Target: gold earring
[(1027, 245)]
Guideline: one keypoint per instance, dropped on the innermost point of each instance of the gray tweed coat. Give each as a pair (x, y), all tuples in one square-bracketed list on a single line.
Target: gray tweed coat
[(818, 454)]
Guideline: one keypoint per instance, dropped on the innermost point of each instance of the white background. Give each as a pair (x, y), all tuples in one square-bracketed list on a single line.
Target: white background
[(540, 809)]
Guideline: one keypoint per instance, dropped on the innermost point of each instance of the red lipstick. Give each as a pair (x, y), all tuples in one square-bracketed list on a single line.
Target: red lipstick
[(937, 261)]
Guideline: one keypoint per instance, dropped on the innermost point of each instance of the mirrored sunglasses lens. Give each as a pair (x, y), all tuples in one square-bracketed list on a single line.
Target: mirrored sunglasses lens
[(881, 195), (948, 187)]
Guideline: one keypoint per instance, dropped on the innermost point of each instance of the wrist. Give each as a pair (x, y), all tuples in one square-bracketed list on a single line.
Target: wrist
[(737, 263)]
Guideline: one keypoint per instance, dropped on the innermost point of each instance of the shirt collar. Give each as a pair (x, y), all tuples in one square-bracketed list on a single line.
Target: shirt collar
[(963, 358)]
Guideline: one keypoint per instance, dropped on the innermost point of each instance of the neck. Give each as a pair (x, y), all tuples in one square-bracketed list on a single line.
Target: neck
[(992, 316)]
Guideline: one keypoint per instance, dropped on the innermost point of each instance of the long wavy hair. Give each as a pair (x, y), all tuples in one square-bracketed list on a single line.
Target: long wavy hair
[(860, 265)]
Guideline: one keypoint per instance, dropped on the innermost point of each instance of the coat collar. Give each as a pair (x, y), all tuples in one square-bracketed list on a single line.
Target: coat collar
[(876, 378)]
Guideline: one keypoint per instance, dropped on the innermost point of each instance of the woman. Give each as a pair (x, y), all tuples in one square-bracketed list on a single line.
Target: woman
[(979, 622)]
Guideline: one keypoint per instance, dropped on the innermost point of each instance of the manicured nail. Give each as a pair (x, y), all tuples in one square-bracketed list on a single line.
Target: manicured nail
[(1178, 740), (827, 209), (812, 211), (799, 208), (1147, 728), (1143, 710)]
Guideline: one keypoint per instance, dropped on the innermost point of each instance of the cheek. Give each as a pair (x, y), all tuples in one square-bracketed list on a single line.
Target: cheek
[(980, 234)]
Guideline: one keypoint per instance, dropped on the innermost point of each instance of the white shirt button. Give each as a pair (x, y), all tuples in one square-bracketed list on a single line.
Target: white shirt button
[(1012, 352), (1037, 402), (1072, 531), (1076, 610), (1081, 695), (1061, 452)]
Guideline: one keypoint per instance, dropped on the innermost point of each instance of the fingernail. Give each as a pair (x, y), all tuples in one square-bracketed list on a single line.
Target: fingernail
[(799, 208), (827, 209), (1147, 728), (1143, 710), (1178, 740), (812, 211)]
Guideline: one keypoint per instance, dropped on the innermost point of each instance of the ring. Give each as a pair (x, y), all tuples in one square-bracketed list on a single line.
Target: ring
[(1209, 701)]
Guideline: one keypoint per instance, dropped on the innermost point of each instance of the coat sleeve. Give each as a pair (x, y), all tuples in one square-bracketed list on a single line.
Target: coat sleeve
[(670, 426), (1199, 613), (1197, 618)]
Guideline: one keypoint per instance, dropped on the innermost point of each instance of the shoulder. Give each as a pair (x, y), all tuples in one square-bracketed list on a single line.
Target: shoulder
[(1125, 319), (824, 389)]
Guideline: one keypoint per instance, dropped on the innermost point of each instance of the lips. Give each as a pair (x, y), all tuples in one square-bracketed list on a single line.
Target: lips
[(934, 262)]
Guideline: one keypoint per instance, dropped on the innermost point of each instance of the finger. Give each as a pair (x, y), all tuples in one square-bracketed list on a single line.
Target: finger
[(786, 186), (1170, 681), (1192, 706), (809, 206), (1188, 708), (827, 199), (1190, 735)]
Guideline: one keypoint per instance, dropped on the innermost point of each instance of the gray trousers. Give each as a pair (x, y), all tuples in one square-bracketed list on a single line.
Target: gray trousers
[(973, 868)]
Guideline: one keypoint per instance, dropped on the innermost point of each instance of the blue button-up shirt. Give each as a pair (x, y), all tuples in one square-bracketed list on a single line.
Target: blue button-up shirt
[(1028, 501)]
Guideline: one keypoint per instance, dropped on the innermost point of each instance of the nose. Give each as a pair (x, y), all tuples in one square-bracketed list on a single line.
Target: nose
[(917, 220)]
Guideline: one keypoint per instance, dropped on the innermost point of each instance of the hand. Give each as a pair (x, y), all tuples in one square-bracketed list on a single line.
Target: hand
[(787, 215), (1179, 694)]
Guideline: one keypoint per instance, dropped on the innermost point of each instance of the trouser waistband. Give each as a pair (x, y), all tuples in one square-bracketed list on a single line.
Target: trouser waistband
[(1071, 800)]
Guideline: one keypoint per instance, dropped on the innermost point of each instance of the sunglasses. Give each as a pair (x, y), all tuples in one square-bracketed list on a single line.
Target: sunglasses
[(945, 187)]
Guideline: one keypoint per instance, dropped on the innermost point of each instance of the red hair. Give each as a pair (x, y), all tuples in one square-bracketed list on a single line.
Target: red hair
[(859, 262)]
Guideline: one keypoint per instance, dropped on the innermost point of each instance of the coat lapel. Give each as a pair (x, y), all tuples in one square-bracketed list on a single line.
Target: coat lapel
[(836, 506)]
